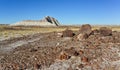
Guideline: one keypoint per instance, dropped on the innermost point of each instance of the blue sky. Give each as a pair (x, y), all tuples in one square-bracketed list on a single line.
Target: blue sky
[(66, 11)]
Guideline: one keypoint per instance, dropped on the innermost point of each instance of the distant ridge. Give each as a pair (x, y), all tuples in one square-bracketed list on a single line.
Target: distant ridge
[(47, 21)]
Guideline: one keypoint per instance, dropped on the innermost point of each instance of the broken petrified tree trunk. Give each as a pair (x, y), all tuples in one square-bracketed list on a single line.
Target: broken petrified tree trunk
[(105, 31), (86, 29), (68, 33)]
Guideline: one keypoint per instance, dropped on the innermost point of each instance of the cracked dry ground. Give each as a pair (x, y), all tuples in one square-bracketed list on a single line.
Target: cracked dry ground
[(46, 51)]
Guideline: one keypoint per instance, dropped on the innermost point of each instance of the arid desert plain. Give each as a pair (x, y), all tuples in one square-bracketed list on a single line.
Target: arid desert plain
[(84, 47)]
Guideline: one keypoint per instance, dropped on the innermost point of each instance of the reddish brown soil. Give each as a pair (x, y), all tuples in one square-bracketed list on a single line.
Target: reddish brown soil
[(97, 52)]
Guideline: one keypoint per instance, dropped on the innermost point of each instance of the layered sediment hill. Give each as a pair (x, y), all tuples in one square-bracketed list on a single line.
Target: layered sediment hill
[(47, 21)]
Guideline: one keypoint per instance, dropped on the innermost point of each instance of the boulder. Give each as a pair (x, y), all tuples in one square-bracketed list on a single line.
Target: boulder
[(105, 31), (68, 33), (86, 28)]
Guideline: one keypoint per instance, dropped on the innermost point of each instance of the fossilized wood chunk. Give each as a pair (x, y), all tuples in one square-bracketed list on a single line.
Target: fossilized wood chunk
[(68, 33), (72, 51), (105, 31), (63, 56), (84, 59), (86, 29), (59, 34), (37, 66), (94, 32), (82, 36), (81, 52)]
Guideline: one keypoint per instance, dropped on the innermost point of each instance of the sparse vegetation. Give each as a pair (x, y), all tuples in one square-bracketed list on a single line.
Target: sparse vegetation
[(9, 31), (23, 30)]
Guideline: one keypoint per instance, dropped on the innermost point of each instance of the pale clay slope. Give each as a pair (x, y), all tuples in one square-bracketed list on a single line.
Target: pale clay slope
[(47, 21), (35, 23)]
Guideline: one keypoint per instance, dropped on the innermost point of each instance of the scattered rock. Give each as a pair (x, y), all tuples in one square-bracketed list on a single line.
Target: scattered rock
[(72, 51), (76, 53), (81, 66), (33, 50), (86, 29), (84, 59), (59, 34), (68, 33), (82, 36), (93, 52), (81, 52), (94, 32), (37, 66), (105, 31), (63, 56)]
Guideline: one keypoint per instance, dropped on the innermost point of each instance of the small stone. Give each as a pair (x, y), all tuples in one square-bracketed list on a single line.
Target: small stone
[(81, 52), (59, 34), (81, 66), (63, 56), (84, 59), (33, 50), (37, 66), (94, 32), (82, 36), (76, 53)]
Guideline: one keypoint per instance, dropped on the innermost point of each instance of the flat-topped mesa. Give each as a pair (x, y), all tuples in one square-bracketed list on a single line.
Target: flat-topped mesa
[(47, 21)]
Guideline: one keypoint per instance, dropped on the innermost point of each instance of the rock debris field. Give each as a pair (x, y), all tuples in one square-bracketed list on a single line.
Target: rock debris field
[(85, 49)]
